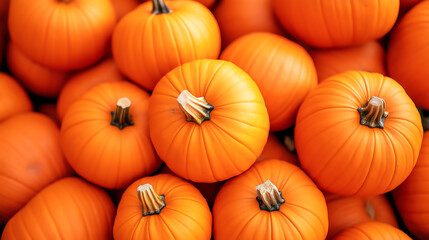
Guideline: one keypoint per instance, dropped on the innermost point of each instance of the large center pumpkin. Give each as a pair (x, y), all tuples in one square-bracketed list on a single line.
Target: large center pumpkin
[(208, 121)]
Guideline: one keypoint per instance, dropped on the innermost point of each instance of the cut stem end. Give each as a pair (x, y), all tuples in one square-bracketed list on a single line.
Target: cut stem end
[(152, 203), (121, 117), (195, 109), (269, 197), (373, 113)]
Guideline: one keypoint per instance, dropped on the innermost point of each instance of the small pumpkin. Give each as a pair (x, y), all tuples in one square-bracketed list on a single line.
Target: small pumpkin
[(165, 207), (155, 38), (274, 149), (13, 98), (79, 83), (208, 121), (237, 18), (30, 159), (407, 53), (345, 212), (327, 23), (36, 78), (411, 197), (69, 208), (372, 231), (282, 69), (358, 133), (369, 57), (105, 135), (62, 34), (272, 200)]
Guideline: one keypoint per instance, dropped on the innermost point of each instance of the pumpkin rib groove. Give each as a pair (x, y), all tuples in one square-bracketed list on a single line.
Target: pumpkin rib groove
[(328, 33), (233, 103), (306, 209), (188, 33), (207, 156), (166, 226), (189, 217), (291, 222), (188, 145), (399, 133), (238, 121), (85, 145), (50, 217), (82, 215), (46, 33), (174, 41), (21, 221), (215, 72), (136, 226), (386, 134), (175, 135), (87, 20), (246, 224)]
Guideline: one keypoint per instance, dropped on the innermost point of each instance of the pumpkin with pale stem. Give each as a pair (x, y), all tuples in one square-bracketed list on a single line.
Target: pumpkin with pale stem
[(272, 200), (162, 207), (208, 120), (105, 135), (67, 209), (372, 231), (62, 34), (155, 38), (358, 133), (13, 98)]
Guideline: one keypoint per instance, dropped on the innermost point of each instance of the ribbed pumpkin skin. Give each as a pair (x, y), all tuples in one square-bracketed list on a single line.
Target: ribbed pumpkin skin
[(369, 57), (70, 208), (30, 159), (59, 35), (102, 153), (219, 148), (13, 97), (236, 213), (336, 23), (345, 212), (274, 149), (372, 231), (186, 214), (36, 78), (411, 197), (407, 53), (347, 158), (79, 83), (282, 69), (123, 7), (207, 3), (240, 17), (147, 46)]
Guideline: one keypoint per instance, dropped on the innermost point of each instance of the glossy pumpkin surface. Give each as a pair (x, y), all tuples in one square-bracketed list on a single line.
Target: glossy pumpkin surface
[(369, 57), (69, 208), (222, 146), (336, 23), (64, 35), (303, 215), (146, 46), (103, 153), (185, 215), (407, 55), (30, 159), (348, 158), (412, 196), (372, 231), (13, 97), (282, 69), (123, 7)]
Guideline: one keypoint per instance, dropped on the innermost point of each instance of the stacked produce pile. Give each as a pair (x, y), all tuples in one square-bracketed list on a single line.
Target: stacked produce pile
[(205, 119)]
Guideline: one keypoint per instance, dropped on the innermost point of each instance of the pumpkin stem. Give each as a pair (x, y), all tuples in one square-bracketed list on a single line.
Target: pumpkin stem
[(152, 203), (122, 117), (269, 197), (289, 143), (195, 109), (373, 113), (424, 114), (159, 7), (370, 210)]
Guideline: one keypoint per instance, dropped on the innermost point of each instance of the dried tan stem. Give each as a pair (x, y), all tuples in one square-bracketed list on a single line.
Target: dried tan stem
[(195, 109), (152, 203), (269, 196)]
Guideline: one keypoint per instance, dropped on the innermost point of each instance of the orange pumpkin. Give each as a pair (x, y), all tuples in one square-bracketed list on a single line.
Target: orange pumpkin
[(30, 159), (79, 83), (123, 7), (165, 207), (367, 57), (13, 97), (4, 7), (274, 149), (358, 133), (208, 121), (36, 78), (152, 40), (105, 135), (411, 197), (207, 3), (372, 231), (285, 205), (407, 53), (345, 212), (69, 208), (240, 17), (328, 23), (62, 34), (282, 69)]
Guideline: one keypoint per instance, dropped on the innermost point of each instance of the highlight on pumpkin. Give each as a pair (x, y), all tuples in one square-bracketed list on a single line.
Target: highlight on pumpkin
[(122, 117), (269, 197), (373, 113), (196, 109), (152, 203), (159, 7)]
